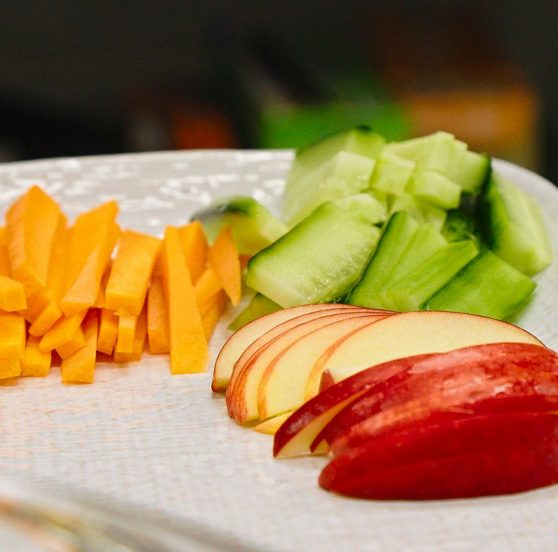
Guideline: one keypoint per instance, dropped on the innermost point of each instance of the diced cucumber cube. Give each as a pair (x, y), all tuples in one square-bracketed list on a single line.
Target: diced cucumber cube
[(514, 227), (319, 259), (435, 188), (344, 174), (472, 172), (392, 173), (487, 286), (423, 211)]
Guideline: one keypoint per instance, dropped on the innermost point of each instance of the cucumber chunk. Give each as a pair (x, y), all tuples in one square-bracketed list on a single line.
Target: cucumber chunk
[(305, 189), (487, 286), (461, 225), (423, 211), (258, 306), (344, 174), (253, 226), (321, 258), (472, 172), (435, 188), (414, 289), (397, 235), (392, 173), (513, 226)]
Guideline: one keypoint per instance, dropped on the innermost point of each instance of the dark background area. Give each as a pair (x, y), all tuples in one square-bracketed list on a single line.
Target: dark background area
[(82, 78)]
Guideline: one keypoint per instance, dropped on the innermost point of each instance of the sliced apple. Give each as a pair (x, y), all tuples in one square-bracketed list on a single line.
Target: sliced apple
[(453, 381), (299, 433), (282, 385), (413, 333), (240, 340), (242, 394), (473, 455), (271, 425)]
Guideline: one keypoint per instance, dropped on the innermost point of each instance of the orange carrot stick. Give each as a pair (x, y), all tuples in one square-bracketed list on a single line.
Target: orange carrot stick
[(195, 248), (108, 332), (9, 368), (139, 341), (223, 257), (213, 312), (207, 287), (12, 336), (188, 346), (76, 343), (12, 295), (126, 331), (157, 321), (80, 367), (62, 332), (131, 272), (35, 362)]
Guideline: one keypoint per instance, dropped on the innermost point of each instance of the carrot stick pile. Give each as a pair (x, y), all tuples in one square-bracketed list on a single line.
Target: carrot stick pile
[(68, 293)]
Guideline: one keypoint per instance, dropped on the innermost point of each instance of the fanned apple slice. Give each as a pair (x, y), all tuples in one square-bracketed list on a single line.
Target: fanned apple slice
[(242, 394), (282, 385), (413, 333), (272, 425), (473, 455), (240, 340)]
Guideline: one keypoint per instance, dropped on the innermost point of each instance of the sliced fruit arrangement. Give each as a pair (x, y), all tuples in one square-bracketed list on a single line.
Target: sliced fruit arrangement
[(423, 224), (69, 293)]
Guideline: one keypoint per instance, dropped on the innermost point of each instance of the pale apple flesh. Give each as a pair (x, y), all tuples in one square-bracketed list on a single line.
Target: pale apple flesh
[(453, 381), (271, 425), (271, 333), (283, 383), (413, 333), (241, 339), (471, 456), (242, 394)]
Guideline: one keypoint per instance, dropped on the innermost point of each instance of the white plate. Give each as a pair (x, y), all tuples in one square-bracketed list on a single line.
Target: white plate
[(139, 435)]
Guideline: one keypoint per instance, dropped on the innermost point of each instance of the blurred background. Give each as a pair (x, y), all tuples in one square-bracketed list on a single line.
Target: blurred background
[(80, 78)]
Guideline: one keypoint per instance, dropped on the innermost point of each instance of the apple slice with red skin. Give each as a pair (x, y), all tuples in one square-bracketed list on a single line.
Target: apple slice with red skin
[(237, 343), (276, 330), (242, 395), (475, 455), (453, 381), (413, 333), (297, 434)]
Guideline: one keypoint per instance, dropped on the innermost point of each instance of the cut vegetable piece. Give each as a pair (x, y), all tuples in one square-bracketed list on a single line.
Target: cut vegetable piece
[(194, 247), (359, 140), (392, 173), (239, 342), (93, 237), (435, 188), (414, 289), (35, 362), (100, 301), (45, 320), (213, 312), (62, 332), (131, 272), (223, 258), (12, 295), (422, 211), (271, 425), (471, 173), (12, 332), (126, 331), (258, 306), (31, 227), (487, 285), (394, 241), (157, 319), (253, 226), (343, 175), (320, 258), (108, 332), (207, 287), (188, 346), (80, 367), (139, 342), (514, 227), (10, 368), (68, 349), (461, 225)]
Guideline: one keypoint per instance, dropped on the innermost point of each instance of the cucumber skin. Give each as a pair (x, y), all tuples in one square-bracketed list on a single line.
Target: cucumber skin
[(292, 271), (258, 306), (487, 286)]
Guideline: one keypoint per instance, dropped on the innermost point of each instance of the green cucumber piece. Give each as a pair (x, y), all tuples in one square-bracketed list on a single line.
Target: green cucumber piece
[(396, 237), (513, 226), (321, 258), (423, 211), (487, 286), (435, 188), (414, 289), (461, 225), (343, 174), (258, 306), (392, 173), (472, 172), (253, 225)]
